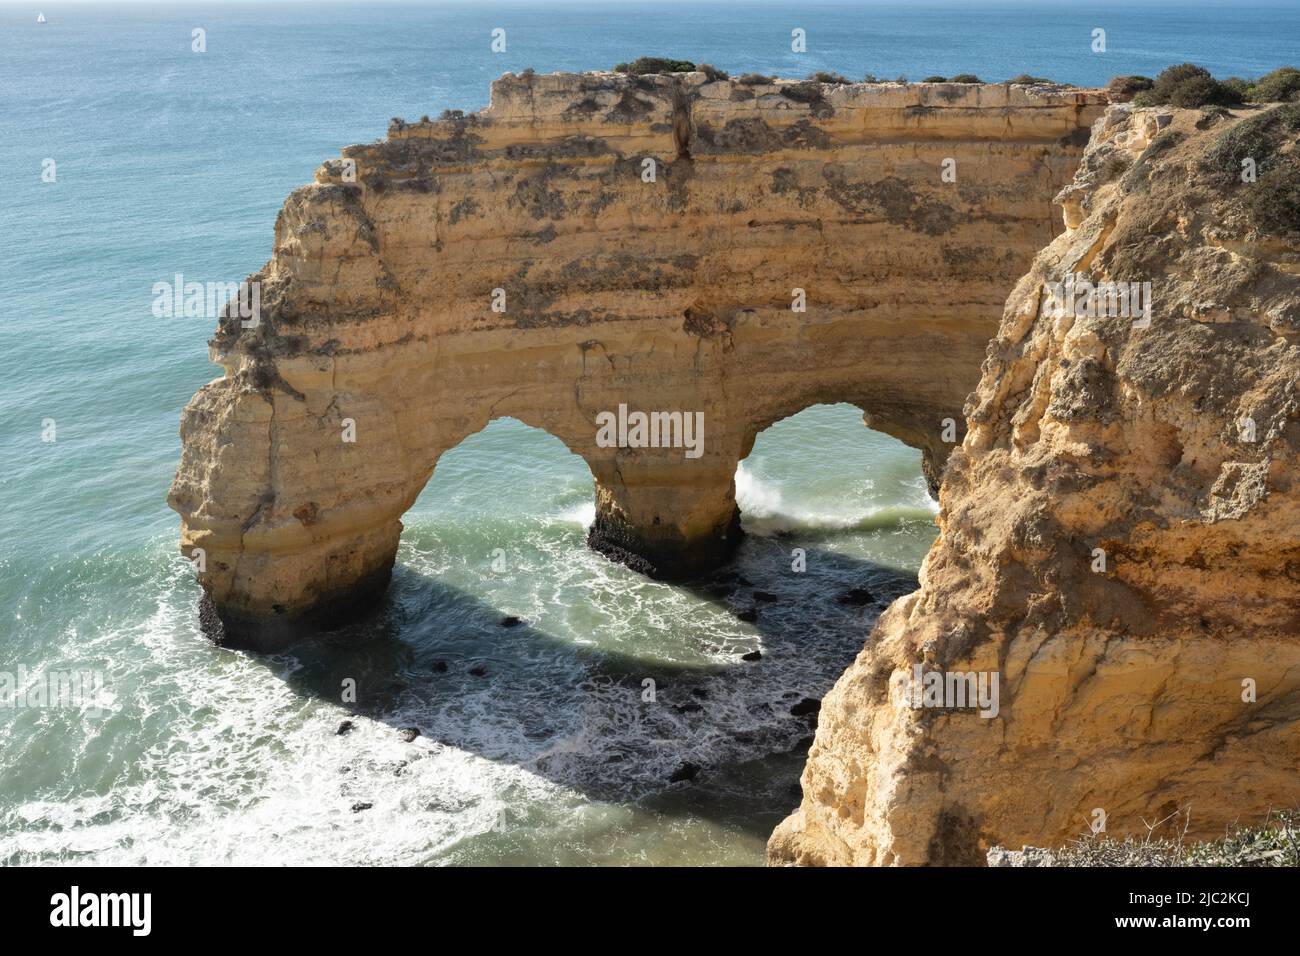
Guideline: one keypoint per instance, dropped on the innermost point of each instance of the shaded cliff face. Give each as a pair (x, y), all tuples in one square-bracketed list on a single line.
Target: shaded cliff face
[(1120, 538), (591, 241)]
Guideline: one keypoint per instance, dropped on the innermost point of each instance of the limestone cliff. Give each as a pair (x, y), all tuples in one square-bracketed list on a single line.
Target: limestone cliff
[(590, 241), (1120, 538)]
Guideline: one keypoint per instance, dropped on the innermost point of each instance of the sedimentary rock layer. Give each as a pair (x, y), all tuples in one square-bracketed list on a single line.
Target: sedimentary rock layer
[(1120, 538), (590, 241)]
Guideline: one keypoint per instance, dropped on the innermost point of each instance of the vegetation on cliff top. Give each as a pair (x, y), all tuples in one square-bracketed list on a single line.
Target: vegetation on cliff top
[(654, 64), (644, 65), (1188, 85), (1273, 199), (1181, 85)]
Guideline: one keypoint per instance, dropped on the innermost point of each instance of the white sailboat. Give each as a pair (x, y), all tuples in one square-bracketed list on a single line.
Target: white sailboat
[(40, 18)]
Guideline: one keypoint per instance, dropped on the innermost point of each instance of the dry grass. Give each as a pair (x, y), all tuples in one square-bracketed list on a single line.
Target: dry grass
[(1275, 843)]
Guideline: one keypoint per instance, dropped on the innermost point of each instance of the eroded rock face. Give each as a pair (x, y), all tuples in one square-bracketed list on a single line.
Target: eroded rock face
[(669, 295), (1174, 449)]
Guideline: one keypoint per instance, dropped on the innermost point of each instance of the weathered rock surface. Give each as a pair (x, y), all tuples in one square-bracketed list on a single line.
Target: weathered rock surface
[(1125, 689), (671, 295)]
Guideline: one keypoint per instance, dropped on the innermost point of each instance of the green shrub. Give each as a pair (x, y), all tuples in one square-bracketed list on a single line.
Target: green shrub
[(1198, 91), (1171, 77), (754, 79), (1256, 138), (1237, 88), (821, 76), (1029, 80), (1185, 85), (654, 64), (1188, 85), (935, 79), (712, 72), (1128, 87), (1274, 199), (965, 78), (805, 92), (1280, 86)]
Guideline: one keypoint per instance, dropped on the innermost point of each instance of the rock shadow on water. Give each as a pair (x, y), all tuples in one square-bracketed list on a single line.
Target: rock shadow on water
[(716, 739)]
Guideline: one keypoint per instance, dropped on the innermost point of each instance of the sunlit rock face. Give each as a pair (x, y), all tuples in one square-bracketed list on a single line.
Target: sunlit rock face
[(1120, 539), (730, 250)]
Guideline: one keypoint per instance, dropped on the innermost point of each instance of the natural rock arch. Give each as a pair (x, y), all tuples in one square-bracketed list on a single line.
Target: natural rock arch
[(665, 293)]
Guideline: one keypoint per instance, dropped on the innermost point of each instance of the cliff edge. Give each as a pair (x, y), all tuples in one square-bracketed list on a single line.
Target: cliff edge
[(1120, 533)]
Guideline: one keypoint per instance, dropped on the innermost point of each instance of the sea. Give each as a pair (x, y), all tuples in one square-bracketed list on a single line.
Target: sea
[(618, 723)]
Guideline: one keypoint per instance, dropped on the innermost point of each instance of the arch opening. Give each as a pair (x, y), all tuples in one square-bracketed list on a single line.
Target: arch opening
[(822, 474), (508, 467), (534, 673), (505, 500)]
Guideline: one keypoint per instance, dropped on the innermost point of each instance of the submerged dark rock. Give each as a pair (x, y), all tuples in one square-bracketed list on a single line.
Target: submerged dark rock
[(686, 772), (409, 733), (856, 597), (752, 656), (344, 727), (809, 705)]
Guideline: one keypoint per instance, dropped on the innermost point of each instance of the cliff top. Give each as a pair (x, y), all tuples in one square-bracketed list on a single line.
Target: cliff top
[(620, 97), (579, 117)]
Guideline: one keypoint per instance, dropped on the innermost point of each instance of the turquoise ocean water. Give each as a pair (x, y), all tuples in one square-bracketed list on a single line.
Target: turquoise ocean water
[(171, 162)]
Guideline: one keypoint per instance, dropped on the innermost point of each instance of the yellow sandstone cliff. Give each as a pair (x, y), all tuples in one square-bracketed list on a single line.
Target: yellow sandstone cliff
[(1120, 532), (597, 240), (1120, 537)]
